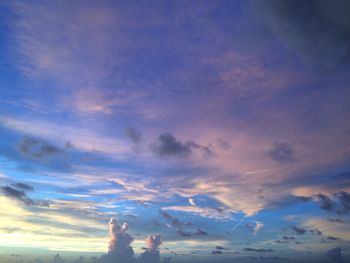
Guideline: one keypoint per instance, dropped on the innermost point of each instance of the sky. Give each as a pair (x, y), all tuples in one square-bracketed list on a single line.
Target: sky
[(174, 131)]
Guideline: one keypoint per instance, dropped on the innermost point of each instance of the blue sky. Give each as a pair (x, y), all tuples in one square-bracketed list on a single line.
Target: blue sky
[(221, 125)]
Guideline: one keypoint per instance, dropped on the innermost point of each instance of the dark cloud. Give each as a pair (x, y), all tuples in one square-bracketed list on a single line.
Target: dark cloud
[(344, 202), (134, 135), (200, 232), (183, 233), (315, 232), (281, 152), (285, 240), (38, 149), (259, 250), (336, 220), (181, 226), (16, 194), (317, 30), (331, 238), (325, 202), (298, 230), (23, 187), (217, 252), (220, 248), (302, 231), (335, 255), (168, 146), (339, 202)]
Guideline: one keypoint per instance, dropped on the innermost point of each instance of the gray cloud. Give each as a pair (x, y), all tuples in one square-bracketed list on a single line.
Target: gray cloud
[(335, 255), (325, 202), (23, 187), (317, 30), (282, 152), (339, 202), (259, 250), (168, 146), (135, 136), (38, 149), (16, 194), (200, 232)]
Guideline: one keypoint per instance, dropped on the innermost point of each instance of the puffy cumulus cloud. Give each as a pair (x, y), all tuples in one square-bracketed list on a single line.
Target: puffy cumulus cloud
[(120, 240), (168, 145), (120, 250), (335, 255), (317, 30), (153, 242), (151, 255)]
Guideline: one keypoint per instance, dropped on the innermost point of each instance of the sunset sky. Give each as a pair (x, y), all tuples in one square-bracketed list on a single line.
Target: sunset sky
[(223, 126)]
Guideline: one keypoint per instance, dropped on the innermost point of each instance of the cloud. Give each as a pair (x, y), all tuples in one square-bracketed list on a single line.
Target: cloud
[(258, 226), (325, 202), (217, 252), (318, 31), (200, 232), (135, 136), (335, 255), (23, 187), (208, 212), (339, 202), (259, 250), (151, 255), (119, 249), (16, 194), (298, 230), (168, 146), (302, 231), (37, 148), (153, 242), (220, 248), (191, 201), (281, 152)]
